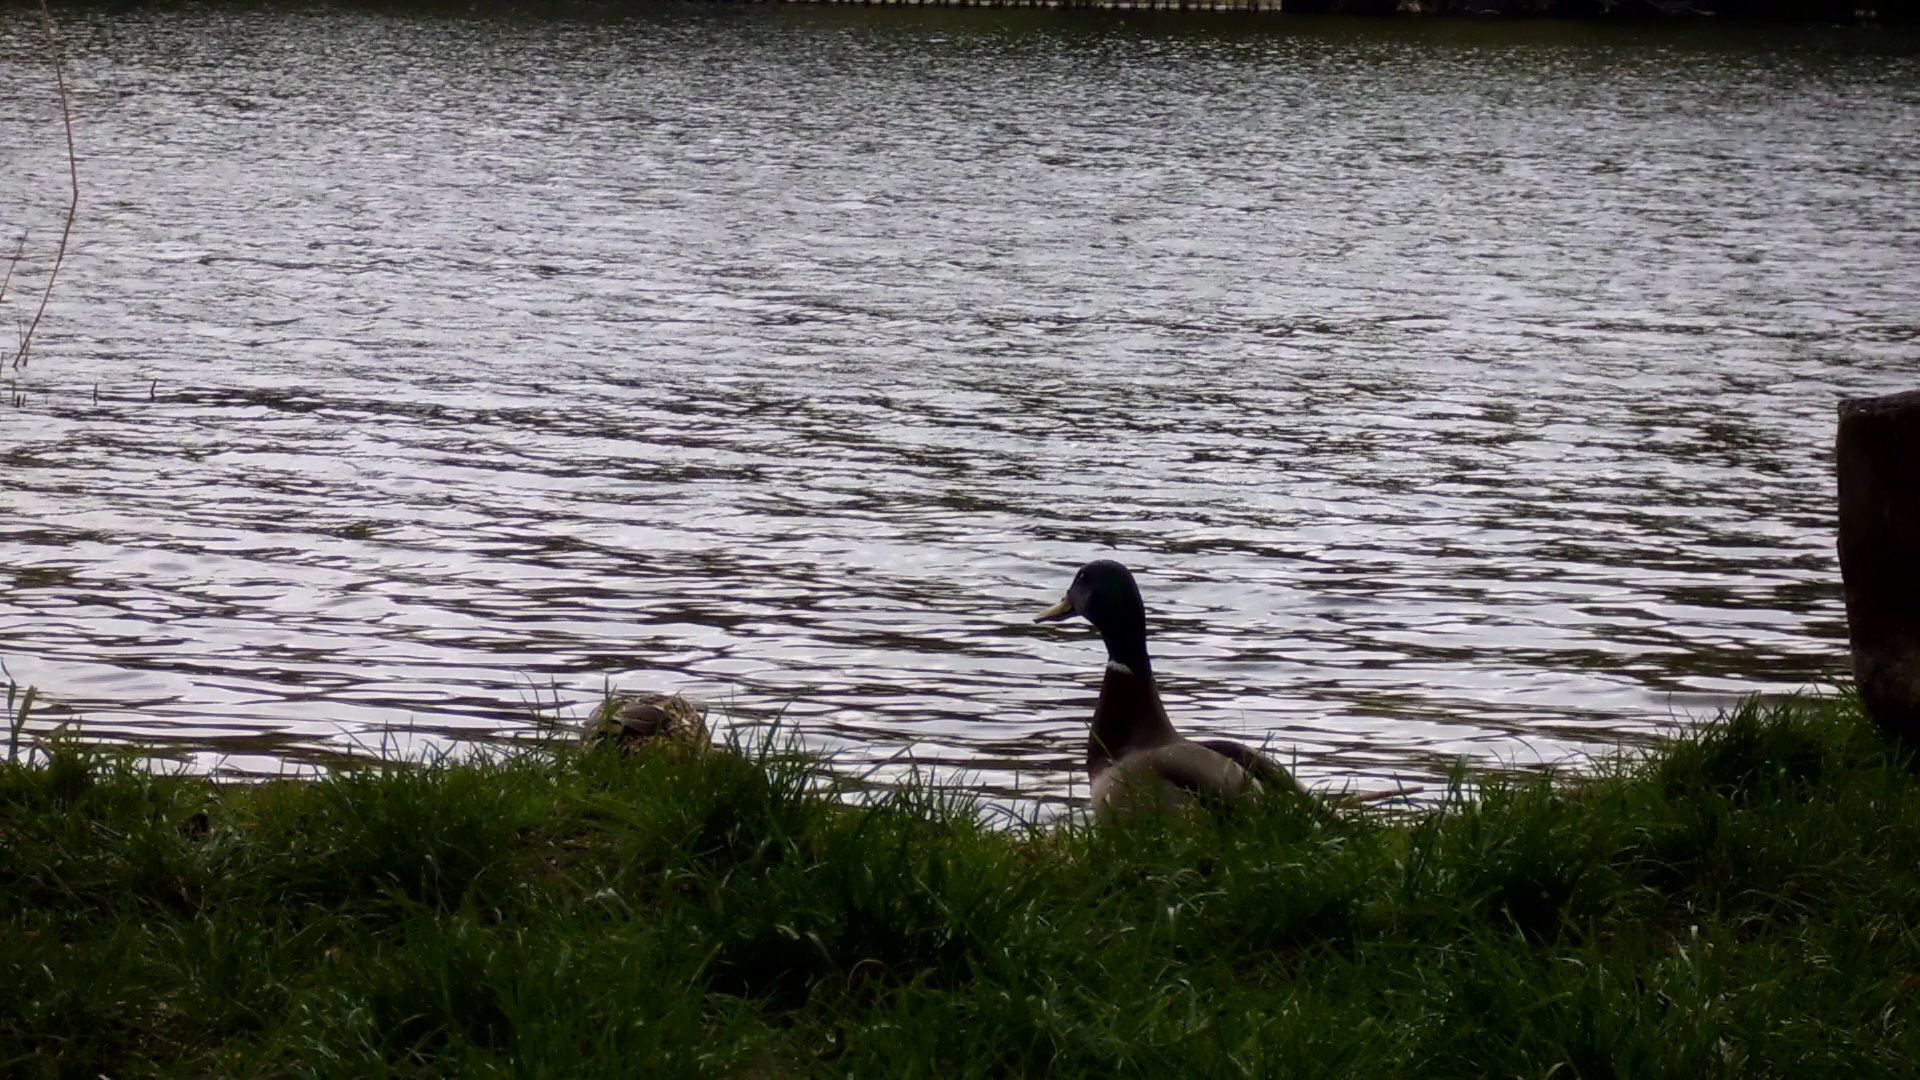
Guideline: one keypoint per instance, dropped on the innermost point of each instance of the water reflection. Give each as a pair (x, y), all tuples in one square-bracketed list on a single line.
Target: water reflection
[(1456, 390)]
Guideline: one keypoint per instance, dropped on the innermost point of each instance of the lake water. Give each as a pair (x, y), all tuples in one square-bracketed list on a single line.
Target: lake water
[(1456, 388)]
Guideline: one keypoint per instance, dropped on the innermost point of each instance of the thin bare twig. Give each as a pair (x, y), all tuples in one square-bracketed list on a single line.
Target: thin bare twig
[(18, 250), (73, 177)]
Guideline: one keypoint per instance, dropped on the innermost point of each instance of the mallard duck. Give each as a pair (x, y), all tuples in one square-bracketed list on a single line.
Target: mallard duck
[(1134, 757), (634, 721)]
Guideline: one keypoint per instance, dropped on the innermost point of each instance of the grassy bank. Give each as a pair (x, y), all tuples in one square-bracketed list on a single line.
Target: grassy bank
[(1747, 904)]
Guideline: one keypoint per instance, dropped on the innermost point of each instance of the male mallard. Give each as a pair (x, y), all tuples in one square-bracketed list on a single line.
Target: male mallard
[(638, 720), (1133, 754)]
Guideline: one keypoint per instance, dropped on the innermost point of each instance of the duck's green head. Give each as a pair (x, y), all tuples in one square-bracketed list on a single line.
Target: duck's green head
[(1104, 593)]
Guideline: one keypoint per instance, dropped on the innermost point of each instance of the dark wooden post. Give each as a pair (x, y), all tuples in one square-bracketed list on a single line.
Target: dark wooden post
[(1877, 461)]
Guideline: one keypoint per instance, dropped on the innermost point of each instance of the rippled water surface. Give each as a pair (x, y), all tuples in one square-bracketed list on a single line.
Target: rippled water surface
[(1457, 388)]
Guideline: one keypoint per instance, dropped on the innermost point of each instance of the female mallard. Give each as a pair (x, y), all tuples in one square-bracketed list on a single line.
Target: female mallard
[(1133, 754), (647, 720)]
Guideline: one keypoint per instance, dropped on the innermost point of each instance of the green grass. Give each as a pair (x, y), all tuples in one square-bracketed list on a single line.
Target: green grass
[(1744, 904)]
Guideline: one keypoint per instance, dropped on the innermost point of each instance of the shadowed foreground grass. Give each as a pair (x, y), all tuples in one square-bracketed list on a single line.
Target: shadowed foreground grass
[(1747, 904)]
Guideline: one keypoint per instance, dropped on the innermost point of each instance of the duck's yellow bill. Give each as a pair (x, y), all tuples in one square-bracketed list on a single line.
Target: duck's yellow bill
[(1058, 611)]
